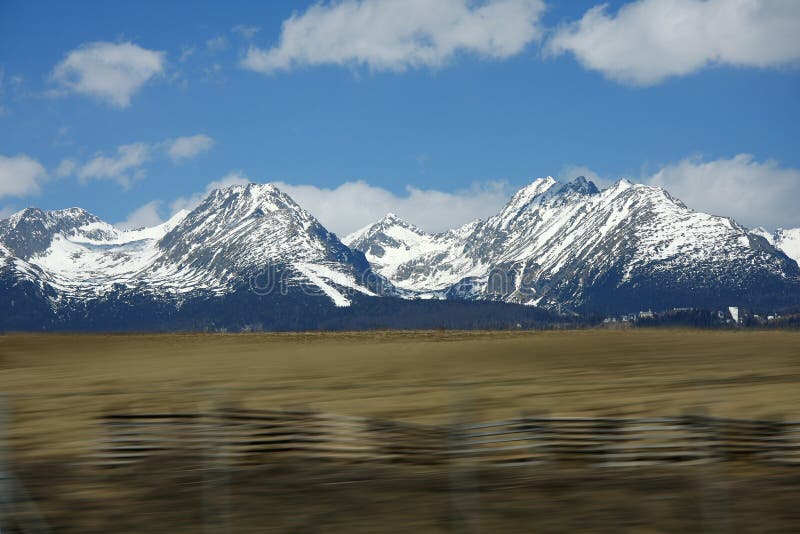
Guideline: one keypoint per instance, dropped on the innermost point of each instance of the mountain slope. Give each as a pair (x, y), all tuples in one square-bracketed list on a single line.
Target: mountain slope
[(250, 257), (244, 238), (573, 247), (786, 240), (396, 249), (243, 232)]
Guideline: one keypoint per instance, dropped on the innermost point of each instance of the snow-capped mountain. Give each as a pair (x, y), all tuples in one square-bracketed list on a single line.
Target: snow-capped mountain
[(574, 247), (250, 257), (396, 248), (247, 230), (252, 237), (80, 255), (787, 240)]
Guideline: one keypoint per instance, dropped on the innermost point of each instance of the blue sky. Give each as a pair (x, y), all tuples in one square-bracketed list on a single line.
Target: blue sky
[(354, 117)]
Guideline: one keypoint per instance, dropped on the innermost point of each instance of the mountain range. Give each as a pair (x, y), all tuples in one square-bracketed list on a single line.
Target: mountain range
[(572, 247), (249, 257)]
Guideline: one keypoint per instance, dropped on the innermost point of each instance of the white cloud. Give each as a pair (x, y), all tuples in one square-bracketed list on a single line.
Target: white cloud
[(7, 211), (398, 34), (232, 178), (191, 202), (149, 214), (11, 88), (144, 216), (66, 167), (112, 72), (353, 205), (186, 53), (753, 193), (217, 43), (20, 175), (650, 40), (128, 162), (184, 148), (245, 31), (213, 72), (124, 167)]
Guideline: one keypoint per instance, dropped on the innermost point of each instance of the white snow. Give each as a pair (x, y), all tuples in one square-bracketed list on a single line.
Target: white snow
[(788, 240), (312, 274), (545, 232), (233, 232), (761, 231), (401, 243), (548, 229)]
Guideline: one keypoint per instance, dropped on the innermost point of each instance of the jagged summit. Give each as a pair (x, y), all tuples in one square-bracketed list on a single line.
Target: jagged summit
[(73, 216), (530, 191), (242, 200), (391, 219), (30, 231), (568, 247), (215, 248), (242, 225), (579, 185), (390, 226), (575, 245)]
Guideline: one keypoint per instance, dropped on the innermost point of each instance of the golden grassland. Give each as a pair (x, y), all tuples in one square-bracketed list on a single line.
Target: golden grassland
[(56, 386), (419, 374), (62, 383)]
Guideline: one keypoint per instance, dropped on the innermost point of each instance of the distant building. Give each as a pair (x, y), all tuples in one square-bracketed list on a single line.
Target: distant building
[(734, 312), (646, 314)]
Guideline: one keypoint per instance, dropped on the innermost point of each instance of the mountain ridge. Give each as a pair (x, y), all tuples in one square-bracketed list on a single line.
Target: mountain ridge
[(784, 239), (558, 244), (217, 247), (252, 251)]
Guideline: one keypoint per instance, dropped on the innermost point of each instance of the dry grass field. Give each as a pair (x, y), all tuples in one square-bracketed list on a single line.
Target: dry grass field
[(56, 386), (418, 375)]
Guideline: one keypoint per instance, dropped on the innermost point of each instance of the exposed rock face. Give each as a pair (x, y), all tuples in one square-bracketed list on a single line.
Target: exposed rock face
[(574, 247)]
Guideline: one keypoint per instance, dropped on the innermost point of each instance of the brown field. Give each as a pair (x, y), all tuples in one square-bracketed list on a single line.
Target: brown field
[(56, 386), (419, 375)]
